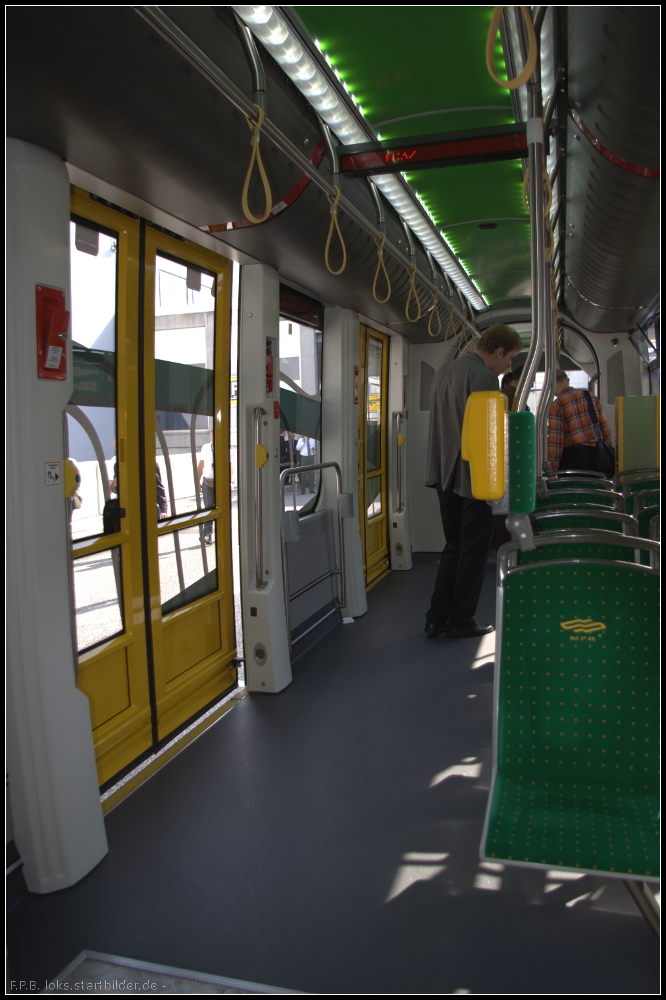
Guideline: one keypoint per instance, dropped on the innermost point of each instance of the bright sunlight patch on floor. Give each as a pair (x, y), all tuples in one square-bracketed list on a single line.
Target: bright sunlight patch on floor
[(422, 867)]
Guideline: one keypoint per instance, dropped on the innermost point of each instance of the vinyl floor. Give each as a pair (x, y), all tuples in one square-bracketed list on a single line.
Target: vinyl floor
[(326, 840)]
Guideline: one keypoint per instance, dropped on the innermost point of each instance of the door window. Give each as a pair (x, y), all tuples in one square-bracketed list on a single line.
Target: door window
[(91, 413)]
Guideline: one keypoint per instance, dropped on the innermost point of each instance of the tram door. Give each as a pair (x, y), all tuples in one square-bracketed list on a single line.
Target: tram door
[(373, 453), (148, 429)]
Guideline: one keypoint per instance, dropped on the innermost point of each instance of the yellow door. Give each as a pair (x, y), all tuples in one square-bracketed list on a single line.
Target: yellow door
[(141, 369), (186, 337), (373, 453)]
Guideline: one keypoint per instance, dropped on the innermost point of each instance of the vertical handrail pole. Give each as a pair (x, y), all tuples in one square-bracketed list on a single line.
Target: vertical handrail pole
[(259, 412), (398, 464)]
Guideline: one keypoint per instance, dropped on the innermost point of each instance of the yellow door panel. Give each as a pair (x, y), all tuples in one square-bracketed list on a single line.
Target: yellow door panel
[(114, 673), (149, 407), (186, 386), (106, 683), (191, 640)]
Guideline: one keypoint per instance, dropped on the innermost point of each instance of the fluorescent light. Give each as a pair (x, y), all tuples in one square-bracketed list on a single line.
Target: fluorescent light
[(273, 32)]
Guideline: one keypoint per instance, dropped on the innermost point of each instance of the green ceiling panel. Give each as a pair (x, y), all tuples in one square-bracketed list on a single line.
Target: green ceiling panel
[(400, 61)]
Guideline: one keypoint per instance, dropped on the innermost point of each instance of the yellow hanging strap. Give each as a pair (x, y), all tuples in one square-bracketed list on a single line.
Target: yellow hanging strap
[(256, 155), (532, 50), (412, 292), (435, 312), (335, 224), (380, 264)]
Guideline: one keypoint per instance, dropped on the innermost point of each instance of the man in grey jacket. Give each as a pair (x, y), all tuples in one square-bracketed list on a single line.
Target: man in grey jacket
[(467, 522)]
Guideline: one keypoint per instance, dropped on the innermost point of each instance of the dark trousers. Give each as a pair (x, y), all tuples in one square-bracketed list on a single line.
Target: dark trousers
[(468, 529), (578, 456)]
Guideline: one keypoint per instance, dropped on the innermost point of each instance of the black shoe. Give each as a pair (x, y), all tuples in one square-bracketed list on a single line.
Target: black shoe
[(471, 629), (432, 630)]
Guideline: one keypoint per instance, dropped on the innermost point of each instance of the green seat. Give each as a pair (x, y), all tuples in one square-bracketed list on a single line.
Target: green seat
[(566, 499), (575, 770)]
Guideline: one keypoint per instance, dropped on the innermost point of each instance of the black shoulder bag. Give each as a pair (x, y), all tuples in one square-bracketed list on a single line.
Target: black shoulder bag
[(604, 455)]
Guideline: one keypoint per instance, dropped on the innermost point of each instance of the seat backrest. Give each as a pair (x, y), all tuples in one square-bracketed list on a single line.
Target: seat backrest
[(575, 750), (654, 528), (580, 520), (564, 499)]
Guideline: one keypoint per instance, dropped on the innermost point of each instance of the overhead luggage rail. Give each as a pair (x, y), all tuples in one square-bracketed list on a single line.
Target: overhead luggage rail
[(575, 780)]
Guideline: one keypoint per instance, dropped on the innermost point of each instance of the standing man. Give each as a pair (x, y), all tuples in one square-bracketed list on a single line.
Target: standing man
[(467, 522), (306, 449), (572, 437), (206, 474)]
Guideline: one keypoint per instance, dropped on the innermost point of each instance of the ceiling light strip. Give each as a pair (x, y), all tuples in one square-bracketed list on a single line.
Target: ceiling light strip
[(281, 42)]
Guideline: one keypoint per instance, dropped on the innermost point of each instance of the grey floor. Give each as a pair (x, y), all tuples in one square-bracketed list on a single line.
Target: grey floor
[(326, 840)]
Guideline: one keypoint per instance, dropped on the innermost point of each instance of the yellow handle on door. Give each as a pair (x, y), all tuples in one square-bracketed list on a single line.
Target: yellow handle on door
[(401, 440), (260, 456)]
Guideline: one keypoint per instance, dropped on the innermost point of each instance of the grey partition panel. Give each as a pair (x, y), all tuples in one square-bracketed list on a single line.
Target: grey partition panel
[(309, 559)]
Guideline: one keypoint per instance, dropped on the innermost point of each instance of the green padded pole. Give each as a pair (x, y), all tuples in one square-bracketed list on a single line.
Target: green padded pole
[(522, 462)]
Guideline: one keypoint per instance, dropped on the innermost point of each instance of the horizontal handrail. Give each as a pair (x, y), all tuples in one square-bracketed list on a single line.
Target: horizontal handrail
[(588, 473)]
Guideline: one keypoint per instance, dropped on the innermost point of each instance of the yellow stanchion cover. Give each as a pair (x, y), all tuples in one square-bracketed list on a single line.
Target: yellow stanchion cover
[(482, 443)]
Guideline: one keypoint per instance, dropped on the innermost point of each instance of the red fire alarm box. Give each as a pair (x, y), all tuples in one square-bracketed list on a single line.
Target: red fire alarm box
[(52, 324)]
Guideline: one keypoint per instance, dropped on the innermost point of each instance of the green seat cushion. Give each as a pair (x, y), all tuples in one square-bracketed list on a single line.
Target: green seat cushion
[(577, 824), (577, 779)]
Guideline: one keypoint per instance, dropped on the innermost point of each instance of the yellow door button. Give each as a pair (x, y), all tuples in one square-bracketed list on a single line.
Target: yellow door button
[(401, 440), (260, 456)]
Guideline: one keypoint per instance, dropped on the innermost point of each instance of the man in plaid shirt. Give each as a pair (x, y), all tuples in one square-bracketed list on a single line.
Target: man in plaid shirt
[(571, 437)]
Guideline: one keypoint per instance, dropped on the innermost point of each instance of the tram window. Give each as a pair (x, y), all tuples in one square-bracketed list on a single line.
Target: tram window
[(374, 397), (188, 565), (577, 380), (374, 493), (184, 397), (300, 411), (98, 598), (91, 412)]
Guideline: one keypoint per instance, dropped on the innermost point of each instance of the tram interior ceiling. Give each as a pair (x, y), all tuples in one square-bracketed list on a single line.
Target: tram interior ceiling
[(268, 228)]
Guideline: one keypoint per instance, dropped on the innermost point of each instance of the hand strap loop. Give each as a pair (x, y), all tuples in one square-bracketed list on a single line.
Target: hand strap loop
[(380, 264), (256, 155), (334, 199)]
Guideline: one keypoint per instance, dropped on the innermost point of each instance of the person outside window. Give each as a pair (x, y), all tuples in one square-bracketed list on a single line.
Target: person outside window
[(468, 523), (572, 438), (206, 477), (306, 450)]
